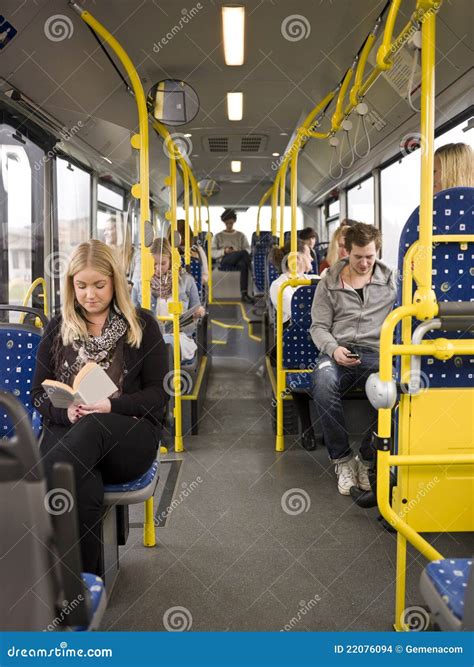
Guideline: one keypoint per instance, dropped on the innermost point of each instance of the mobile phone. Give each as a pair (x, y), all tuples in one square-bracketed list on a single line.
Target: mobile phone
[(352, 355)]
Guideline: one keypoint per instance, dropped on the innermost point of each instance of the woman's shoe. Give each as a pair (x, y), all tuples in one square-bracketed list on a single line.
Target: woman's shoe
[(308, 441), (365, 499)]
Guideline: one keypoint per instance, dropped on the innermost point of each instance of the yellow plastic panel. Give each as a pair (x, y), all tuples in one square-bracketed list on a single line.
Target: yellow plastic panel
[(436, 498)]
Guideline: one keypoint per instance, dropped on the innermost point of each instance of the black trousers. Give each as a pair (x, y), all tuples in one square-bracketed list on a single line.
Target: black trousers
[(238, 260), (102, 449)]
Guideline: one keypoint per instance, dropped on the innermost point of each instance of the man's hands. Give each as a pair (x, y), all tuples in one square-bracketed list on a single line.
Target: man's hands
[(199, 312), (228, 249), (340, 357), (75, 412)]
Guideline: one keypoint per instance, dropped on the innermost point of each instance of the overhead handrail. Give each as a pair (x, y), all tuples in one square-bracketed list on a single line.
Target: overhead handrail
[(261, 203), (36, 283)]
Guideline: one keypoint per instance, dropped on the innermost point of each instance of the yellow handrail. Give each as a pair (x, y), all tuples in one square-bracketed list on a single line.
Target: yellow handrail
[(39, 281), (262, 201), (209, 251), (140, 190)]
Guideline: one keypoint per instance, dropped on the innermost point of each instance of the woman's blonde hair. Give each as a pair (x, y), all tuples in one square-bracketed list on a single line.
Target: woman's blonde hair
[(456, 162), (332, 254), (98, 256), (161, 247)]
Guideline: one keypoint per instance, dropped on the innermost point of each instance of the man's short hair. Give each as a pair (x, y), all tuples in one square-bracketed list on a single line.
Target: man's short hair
[(361, 235), (308, 233), (229, 214)]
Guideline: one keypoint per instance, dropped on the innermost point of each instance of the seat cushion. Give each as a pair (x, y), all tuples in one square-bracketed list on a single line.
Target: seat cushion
[(450, 578), (135, 484)]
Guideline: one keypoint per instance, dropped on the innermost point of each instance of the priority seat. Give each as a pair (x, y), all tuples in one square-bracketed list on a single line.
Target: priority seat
[(18, 346), (40, 578), (447, 587)]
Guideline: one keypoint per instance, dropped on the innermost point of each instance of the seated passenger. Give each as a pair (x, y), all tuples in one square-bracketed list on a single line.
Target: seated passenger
[(232, 249), (336, 249), (309, 236), (162, 293), (350, 305), (197, 250), (279, 257), (453, 167), (114, 441)]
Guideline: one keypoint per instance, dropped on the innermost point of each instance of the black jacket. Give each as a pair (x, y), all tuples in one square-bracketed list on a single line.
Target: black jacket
[(144, 392)]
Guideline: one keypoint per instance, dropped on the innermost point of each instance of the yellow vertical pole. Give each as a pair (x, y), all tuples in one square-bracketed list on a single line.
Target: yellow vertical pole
[(274, 204), (187, 240), (425, 297), (401, 576), (140, 190), (294, 205), (209, 256), (280, 374), (175, 308), (284, 168)]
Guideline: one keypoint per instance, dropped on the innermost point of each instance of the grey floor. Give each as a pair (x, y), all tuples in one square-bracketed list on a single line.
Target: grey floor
[(257, 540)]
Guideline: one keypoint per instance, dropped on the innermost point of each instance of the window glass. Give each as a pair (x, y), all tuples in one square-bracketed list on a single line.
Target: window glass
[(247, 220), (73, 206), (331, 226), (21, 216), (360, 202), (110, 197), (400, 191), (334, 208)]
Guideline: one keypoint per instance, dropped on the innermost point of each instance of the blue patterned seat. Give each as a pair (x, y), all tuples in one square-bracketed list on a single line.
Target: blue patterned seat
[(134, 491), (98, 599), (18, 346), (453, 213), (299, 351), (260, 247), (444, 584)]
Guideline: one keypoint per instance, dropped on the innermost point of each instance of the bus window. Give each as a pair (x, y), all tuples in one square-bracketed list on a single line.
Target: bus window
[(73, 205), (360, 202)]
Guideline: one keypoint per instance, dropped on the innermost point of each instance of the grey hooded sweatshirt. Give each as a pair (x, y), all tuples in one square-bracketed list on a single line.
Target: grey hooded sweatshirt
[(340, 317)]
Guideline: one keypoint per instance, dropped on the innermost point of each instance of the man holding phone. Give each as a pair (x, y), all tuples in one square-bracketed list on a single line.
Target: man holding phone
[(350, 305)]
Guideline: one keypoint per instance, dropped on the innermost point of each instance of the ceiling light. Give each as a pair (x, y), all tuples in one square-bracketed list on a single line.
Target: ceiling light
[(236, 166), (233, 29), (235, 106), (188, 135), (275, 154), (283, 134)]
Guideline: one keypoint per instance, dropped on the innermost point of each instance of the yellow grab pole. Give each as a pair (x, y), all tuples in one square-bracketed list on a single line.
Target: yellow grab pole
[(29, 294), (338, 115), (425, 297), (275, 203), (262, 201), (294, 205), (209, 251), (282, 201), (384, 49), (187, 240), (140, 190), (359, 75)]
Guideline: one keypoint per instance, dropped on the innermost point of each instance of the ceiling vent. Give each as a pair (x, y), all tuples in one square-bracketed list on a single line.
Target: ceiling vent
[(218, 144), (251, 143), (236, 144)]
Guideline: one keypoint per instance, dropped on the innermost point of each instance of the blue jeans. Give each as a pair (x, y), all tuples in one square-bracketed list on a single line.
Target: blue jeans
[(330, 382)]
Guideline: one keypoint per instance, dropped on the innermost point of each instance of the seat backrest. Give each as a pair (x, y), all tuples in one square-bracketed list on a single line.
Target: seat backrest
[(453, 214), (18, 347), (34, 583), (196, 271), (271, 273), (299, 351)]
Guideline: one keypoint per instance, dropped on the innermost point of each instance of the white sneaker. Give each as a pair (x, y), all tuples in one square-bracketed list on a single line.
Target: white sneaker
[(346, 476), (362, 476)]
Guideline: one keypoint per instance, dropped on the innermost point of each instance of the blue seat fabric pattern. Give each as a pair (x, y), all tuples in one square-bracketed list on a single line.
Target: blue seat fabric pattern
[(450, 578)]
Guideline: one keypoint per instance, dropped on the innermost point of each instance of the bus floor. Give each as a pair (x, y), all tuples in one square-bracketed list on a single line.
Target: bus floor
[(249, 539)]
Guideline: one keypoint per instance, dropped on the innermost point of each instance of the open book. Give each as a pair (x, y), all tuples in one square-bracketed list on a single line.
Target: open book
[(91, 385)]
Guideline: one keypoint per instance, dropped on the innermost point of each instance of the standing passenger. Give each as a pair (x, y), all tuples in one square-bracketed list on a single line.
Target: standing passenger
[(114, 441), (232, 249), (350, 305)]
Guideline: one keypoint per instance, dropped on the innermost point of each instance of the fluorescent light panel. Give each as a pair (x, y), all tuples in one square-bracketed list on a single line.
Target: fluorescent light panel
[(233, 28), (236, 166), (235, 106)]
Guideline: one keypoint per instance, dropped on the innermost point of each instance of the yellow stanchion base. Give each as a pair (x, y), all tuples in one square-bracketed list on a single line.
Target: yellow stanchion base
[(280, 443), (178, 444), (163, 449), (149, 535)]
